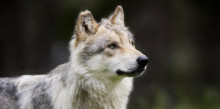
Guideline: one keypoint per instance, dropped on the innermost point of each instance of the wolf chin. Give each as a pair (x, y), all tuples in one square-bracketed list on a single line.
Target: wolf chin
[(99, 74)]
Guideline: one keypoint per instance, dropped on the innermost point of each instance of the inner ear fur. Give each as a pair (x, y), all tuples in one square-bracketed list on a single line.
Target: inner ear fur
[(85, 25)]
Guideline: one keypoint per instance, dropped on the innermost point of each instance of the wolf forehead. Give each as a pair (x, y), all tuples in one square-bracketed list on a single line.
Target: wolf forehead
[(108, 31), (107, 34), (119, 29)]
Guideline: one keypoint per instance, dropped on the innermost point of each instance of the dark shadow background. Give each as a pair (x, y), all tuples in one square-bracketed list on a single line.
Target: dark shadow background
[(180, 37)]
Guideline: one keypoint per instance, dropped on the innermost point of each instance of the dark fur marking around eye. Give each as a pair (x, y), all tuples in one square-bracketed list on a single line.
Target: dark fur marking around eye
[(87, 53), (94, 48)]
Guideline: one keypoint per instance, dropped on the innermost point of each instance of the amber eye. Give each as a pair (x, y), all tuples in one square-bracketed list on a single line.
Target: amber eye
[(113, 46)]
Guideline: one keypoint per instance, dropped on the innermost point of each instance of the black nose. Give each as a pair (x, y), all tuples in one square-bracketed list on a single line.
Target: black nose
[(142, 61)]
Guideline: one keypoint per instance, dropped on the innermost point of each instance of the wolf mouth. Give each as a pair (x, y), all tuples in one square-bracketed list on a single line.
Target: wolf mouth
[(133, 73)]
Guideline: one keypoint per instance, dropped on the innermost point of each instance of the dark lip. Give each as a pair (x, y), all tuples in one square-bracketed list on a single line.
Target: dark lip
[(134, 73)]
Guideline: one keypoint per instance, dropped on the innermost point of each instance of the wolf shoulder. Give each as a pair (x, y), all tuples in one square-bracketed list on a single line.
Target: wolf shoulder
[(12, 84), (10, 88)]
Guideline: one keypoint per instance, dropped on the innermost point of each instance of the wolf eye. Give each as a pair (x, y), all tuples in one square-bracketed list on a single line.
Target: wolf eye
[(113, 46)]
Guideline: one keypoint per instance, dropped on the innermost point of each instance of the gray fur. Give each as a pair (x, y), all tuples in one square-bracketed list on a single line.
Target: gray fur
[(117, 29), (8, 94), (92, 49), (85, 55), (75, 85), (41, 98)]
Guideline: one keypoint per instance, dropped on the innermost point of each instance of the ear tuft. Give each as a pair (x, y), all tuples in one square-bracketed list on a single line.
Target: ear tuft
[(118, 16), (85, 23)]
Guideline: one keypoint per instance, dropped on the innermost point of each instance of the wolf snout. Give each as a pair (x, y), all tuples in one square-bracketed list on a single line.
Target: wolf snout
[(142, 61)]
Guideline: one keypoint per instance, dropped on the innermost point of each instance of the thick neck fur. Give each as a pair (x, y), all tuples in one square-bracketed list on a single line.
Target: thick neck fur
[(83, 90)]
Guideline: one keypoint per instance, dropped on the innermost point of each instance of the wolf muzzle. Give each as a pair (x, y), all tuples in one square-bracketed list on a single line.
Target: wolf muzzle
[(142, 63)]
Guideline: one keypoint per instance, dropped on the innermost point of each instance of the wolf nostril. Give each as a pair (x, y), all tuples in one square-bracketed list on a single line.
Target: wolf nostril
[(142, 61)]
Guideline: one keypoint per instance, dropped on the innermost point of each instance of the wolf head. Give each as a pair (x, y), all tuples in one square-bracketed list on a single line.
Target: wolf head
[(107, 47)]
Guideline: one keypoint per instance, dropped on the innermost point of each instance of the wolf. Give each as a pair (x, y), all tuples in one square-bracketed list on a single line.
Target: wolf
[(99, 74)]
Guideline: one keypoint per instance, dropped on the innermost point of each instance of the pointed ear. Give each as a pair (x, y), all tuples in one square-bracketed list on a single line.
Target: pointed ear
[(85, 24), (118, 16)]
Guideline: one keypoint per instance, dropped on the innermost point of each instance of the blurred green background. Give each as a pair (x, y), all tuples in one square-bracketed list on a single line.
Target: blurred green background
[(180, 37)]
